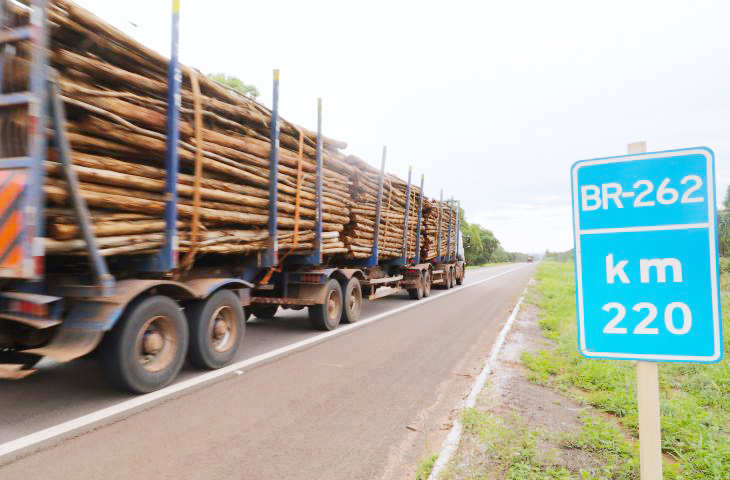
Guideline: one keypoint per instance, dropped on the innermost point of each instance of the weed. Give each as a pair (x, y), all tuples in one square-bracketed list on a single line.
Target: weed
[(695, 399), (425, 467)]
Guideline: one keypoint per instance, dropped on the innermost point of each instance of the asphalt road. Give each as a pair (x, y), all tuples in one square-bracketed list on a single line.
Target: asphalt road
[(364, 404)]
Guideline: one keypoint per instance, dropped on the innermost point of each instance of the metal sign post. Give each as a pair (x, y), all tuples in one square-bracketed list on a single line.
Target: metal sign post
[(647, 271)]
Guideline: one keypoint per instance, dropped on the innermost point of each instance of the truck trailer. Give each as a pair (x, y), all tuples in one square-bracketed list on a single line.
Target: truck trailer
[(73, 280)]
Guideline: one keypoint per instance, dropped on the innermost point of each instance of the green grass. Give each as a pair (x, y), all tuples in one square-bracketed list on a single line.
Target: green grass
[(425, 467), (619, 455), (695, 399), (507, 449)]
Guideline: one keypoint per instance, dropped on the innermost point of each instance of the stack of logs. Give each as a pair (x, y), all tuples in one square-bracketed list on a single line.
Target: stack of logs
[(114, 92), (359, 233), (431, 212)]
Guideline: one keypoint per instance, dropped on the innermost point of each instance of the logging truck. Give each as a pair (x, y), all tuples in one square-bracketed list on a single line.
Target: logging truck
[(76, 279)]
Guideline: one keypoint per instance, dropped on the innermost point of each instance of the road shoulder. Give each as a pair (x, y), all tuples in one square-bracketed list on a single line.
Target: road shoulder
[(521, 428)]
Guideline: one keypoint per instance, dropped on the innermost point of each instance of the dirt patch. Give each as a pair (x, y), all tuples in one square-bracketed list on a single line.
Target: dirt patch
[(509, 391), (521, 405)]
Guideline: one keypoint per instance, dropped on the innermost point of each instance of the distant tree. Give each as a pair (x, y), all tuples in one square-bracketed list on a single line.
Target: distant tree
[(723, 225), (236, 83)]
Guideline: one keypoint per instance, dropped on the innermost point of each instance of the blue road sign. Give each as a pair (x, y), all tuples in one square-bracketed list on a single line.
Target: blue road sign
[(646, 262)]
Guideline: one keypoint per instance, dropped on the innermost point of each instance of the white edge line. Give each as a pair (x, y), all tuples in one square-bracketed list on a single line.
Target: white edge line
[(90, 418), (452, 440)]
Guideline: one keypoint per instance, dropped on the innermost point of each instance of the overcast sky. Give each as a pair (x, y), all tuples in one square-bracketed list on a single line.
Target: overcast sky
[(493, 101)]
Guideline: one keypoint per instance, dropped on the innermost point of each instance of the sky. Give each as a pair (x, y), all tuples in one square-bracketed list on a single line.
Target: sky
[(492, 101)]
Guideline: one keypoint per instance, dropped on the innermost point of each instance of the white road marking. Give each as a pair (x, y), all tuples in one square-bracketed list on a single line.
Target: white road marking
[(452, 440), (90, 418)]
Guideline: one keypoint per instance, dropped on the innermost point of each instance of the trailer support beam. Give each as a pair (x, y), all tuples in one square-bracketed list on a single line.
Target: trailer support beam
[(169, 254), (83, 219), (451, 220), (458, 228), (404, 258), (441, 217), (317, 255), (373, 259), (417, 258), (271, 258)]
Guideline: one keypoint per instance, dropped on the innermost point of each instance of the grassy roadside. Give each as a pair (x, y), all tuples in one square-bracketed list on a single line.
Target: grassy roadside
[(695, 399)]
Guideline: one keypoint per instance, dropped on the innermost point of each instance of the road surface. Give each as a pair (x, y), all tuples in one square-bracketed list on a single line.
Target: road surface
[(367, 403)]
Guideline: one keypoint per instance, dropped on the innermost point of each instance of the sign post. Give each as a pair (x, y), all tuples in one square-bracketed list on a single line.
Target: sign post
[(647, 273)]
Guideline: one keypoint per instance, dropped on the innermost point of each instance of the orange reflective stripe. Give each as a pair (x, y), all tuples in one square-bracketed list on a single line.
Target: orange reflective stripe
[(14, 259), (9, 231), (11, 192)]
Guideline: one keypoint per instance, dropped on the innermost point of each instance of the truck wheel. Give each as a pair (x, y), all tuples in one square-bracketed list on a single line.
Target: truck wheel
[(328, 315), (146, 348), (263, 311), (426, 283), (449, 282), (217, 326), (353, 301), (417, 293), (460, 276)]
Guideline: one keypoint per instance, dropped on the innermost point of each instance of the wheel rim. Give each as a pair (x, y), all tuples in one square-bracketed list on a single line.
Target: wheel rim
[(332, 305), (222, 329), (353, 302), (157, 343)]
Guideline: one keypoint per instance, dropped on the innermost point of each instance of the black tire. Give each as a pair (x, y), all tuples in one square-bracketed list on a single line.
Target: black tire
[(217, 325), (146, 348), (352, 301), (263, 311), (460, 276), (417, 293), (328, 315), (426, 283)]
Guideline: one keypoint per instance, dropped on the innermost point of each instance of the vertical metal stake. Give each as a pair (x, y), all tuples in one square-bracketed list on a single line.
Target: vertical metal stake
[(318, 224), (451, 220), (37, 142), (441, 215), (406, 217), (378, 204), (458, 227), (83, 219), (272, 252), (169, 249), (417, 258)]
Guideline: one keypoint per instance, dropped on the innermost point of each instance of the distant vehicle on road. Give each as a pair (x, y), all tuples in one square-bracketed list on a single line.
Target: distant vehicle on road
[(530, 259)]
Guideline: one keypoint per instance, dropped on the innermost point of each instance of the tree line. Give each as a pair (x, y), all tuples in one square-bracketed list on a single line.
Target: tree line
[(723, 225)]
